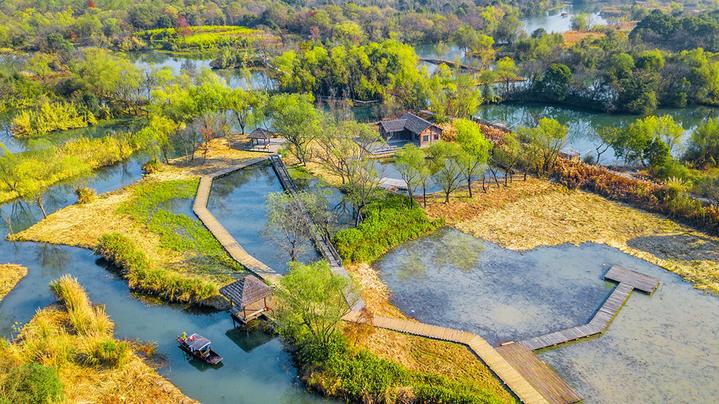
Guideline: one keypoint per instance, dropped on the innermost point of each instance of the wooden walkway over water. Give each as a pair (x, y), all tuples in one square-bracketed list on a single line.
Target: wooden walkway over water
[(530, 379), (628, 281), (228, 242)]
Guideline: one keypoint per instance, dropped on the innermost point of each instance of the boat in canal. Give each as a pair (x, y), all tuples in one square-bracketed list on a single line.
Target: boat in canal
[(199, 347)]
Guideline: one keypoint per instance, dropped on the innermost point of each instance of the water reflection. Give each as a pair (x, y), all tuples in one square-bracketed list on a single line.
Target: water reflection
[(660, 348)]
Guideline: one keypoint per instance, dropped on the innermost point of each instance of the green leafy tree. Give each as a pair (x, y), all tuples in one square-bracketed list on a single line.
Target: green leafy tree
[(447, 168), (312, 301), (507, 154), (475, 149), (545, 142), (506, 71), (295, 118), (410, 162), (635, 142), (704, 144), (555, 84)]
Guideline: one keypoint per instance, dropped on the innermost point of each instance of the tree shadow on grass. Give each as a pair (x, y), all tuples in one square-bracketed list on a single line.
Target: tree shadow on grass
[(687, 247)]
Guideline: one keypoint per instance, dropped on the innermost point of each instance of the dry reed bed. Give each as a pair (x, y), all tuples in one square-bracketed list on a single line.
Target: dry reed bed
[(62, 336), (10, 275), (537, 213)]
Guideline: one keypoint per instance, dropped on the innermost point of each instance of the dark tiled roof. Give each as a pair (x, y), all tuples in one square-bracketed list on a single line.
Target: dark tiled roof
[(260, 134), (394, 125), (415, 124), (246, 290), (408, 121)]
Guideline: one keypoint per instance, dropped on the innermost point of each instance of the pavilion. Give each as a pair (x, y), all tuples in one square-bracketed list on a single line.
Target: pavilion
[(248, 296), (261, 136)]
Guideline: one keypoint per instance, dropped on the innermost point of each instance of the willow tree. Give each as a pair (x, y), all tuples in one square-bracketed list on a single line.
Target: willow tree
[(475, 150)]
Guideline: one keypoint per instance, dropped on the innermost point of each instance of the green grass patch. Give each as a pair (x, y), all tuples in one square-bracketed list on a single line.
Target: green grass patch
[(338, 371), (200, 38), (142, 276), (387, 223), (178, 232)]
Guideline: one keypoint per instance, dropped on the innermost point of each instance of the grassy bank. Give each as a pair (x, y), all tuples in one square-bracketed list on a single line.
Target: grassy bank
[(10, 275), (388, 222), (537, 212), (28, 173), (67, 352), (180, 260)]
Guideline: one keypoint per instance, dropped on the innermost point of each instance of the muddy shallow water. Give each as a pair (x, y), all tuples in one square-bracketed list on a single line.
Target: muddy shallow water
[(660, 348)]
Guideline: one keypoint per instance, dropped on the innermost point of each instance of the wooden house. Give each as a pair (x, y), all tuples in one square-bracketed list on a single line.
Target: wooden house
[(410, 128)]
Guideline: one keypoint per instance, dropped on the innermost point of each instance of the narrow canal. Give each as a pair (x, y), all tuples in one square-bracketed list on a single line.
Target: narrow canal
[(256, 368)]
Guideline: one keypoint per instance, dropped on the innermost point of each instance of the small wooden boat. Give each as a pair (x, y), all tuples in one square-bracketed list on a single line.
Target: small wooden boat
[(199, 347)]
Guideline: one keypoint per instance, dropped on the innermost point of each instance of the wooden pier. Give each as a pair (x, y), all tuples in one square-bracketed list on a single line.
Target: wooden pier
[(628, 281), (549, 384)]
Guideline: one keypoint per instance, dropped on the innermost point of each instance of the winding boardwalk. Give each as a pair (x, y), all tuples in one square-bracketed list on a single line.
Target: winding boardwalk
[(228, 242), (511, 377), (628, 281)]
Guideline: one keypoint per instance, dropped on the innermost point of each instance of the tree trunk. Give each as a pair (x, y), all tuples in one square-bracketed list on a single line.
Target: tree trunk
[(41, 205), (494, 175), (469, 185), (446, 197), (424, 195), (484, 184)]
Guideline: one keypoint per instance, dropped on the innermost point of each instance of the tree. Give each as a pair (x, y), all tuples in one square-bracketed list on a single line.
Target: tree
[(296, 119), (704, 144), (337, 144), (243, 103), (362, 186), (410, 162), (447, 168), (475, 149), (555, 84), (545, 142), (312, 301), (507, 154), (635, 142), (287, 221), (580, 22), (506, 71), (608, 137)]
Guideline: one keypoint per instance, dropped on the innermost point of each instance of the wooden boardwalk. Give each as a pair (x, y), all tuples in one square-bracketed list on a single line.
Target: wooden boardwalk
[(628, 281), (549, 384), (228, 242), (517, 383)]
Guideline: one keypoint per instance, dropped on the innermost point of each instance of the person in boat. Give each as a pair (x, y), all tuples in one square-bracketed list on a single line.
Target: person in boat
[(184, 336)]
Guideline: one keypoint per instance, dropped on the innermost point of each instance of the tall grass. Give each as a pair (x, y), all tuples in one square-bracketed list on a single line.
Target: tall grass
[(142, 276), (86, 319)]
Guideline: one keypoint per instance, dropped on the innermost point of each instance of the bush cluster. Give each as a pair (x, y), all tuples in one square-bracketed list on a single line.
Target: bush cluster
[(200, 38), (361, 376), (387, 224), (643, 194), (142, 276), (31, 383), (49, 117)]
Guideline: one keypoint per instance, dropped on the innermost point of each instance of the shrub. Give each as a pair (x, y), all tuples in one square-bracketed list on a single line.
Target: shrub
[(108, 353), (134, 265), (48, 117), (85, 195), (387, 224), (151, 166), (32, 383)]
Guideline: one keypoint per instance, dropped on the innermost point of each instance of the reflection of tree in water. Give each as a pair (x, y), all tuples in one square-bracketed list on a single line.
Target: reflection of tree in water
[(52, 257), (411, 266), (20, 216), (457, 250)]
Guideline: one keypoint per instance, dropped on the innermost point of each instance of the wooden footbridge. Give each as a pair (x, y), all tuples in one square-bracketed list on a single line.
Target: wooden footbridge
[(515, 364), (628, 281)]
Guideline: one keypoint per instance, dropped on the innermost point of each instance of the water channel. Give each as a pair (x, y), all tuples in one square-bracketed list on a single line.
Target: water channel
[(660, 348), (256, 368)]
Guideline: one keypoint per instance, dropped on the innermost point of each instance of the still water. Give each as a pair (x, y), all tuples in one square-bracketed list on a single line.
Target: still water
[(256, 367), (660, 348), (583, 125)]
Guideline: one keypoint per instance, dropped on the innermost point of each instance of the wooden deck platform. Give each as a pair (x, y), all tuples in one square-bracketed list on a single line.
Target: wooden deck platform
[(637, 280), (540, 375), (628, 281)]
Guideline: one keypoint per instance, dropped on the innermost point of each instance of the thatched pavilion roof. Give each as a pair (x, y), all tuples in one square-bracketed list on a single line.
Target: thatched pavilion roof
[(246, 290), (260, 133)]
